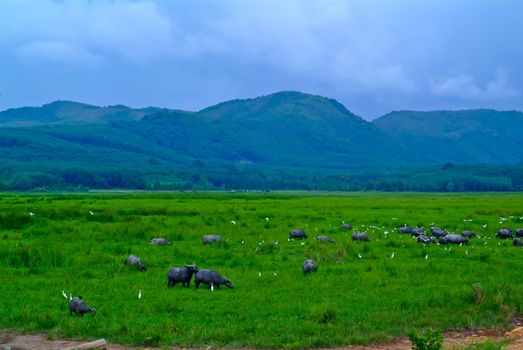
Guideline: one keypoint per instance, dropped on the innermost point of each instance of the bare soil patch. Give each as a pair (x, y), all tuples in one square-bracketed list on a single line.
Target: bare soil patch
[(453, 340)]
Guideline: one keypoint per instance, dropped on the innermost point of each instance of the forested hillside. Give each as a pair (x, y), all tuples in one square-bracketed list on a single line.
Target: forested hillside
[(287, 140)]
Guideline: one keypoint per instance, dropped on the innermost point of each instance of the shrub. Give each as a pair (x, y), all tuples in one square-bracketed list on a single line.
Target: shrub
[(431, 340)]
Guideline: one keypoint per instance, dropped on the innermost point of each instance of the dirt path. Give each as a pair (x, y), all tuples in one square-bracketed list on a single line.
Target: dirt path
[(453, 340)]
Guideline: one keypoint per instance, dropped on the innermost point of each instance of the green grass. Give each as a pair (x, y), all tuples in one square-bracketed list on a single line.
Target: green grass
[(348, 301)]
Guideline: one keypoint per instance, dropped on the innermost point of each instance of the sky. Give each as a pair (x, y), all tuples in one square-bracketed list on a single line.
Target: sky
[(372, 56)]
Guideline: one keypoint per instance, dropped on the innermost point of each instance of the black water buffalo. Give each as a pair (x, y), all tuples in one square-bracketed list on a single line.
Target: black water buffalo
[(181, 274), (211, 278), (309, 266), (77, 306)]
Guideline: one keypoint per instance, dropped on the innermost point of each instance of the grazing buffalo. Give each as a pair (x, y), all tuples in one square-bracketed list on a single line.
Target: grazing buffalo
[(159, 241), (417, 231), (360, 236), (517, 242), (346, 226), (437, 232), (297, 234), (212, 239), (468, 234), (325, 239), (424, 239), (454, 239), (210, 278), (134, 260), (504, 233), (181, 274), (519, 232), (309, 266), (405, 229), (77, 306)]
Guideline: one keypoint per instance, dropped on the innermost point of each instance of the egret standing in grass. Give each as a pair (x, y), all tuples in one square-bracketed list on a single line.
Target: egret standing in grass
[(65, 295), (140, 294)]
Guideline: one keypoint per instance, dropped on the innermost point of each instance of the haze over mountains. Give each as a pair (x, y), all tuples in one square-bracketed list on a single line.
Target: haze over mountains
[(285, 130)]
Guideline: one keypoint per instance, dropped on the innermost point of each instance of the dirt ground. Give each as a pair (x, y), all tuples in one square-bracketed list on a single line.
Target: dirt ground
[(453, 341)]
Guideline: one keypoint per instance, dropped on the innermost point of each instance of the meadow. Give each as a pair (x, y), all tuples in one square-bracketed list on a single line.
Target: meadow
[(363, 292)]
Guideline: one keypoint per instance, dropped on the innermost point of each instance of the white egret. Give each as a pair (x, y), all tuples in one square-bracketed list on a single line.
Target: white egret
[(233, 222), (65, 295), (392, 255), (212, 287), (139, 294)]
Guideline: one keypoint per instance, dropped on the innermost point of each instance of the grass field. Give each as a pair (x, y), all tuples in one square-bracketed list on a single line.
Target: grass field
[(349, 300)]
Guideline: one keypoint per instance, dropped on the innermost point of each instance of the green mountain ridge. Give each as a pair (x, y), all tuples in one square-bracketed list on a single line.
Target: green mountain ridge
[(290, 136)]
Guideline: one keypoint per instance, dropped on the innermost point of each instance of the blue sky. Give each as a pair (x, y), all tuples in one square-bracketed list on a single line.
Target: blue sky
[(372, 56)]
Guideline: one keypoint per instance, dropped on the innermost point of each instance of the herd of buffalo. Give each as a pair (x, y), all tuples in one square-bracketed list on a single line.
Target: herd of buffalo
[(212, 279)]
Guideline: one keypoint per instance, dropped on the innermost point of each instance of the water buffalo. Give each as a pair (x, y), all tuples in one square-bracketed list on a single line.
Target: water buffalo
[(211, 278), (437, 232), (181, 274), (212, 239), (424, 239), (159, 241), (417, 231), (297, 234), (517, 242), (468, 234), (134, 260), (77, 305), (504, 233), (360, 236), (519, 232), (325, 239), (346, 226), (405, 229), (454, 239), (309, 266)]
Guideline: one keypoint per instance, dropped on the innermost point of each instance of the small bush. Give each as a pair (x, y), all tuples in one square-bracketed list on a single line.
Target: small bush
[(431, 340)]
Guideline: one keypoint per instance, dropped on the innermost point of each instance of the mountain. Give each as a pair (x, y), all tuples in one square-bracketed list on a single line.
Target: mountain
[(67, 113), (468, 136), (282, 140)]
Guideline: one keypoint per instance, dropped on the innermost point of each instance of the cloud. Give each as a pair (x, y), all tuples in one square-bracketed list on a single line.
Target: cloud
[(464, 86), (86, 31), (57, 52)]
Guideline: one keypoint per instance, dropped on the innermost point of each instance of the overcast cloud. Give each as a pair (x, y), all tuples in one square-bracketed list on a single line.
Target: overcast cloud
[(373, 56)]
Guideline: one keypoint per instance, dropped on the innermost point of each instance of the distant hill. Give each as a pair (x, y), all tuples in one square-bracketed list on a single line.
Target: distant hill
[(68, 113), (469, 136), (279, 140)]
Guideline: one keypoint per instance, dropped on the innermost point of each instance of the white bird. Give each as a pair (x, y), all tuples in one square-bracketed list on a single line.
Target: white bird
[(274, 273), (91, 212), (467, 252), (484, 226), (426, 257), (267, 219), (31, 213), (276, 243), (65, 295), (302, 243), (392, 255), (212, 287), (233, 222), (359, 255), (70, 296), (259, 274), (243, 242), (139, 294)]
